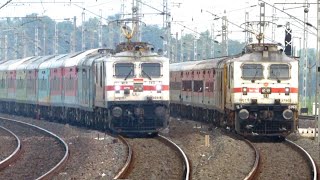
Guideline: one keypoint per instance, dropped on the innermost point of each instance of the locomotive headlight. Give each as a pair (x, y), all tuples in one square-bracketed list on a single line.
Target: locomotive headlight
[(287, 91), (243, 114), (117, 88), (244, 90), (287, 114), (158, 88), (117, 112)]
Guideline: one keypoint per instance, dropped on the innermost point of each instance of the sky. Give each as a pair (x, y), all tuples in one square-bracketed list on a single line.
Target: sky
[(186, 15)]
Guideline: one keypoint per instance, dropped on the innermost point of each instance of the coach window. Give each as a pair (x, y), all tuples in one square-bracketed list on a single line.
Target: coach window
[(279, 71), (252, 71), (186, 85), (197, 86), (151, 70), (124, 70)]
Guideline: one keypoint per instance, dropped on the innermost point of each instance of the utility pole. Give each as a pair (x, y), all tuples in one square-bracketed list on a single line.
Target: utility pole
[(15, 53), (305, 55), (181, 46), (24, 44), (110, 35), (176, 49), (83, 40), (317, 71), (167, 27), (195, 46), (5, 47), (212, 40), (248, 35), (36, 42), (224, 35), (100, 29), (262, 22), (44, 39), (121, 38), (274, 18), (55, 45), (74, 35), (136, 8)]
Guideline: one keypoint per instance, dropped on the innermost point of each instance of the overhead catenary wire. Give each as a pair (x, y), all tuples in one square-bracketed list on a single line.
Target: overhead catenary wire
[(5, 4)]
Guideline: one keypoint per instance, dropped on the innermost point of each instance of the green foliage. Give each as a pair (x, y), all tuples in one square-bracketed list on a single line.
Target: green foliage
[(21, 37)]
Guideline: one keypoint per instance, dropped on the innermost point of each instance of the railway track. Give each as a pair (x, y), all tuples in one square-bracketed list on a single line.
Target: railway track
[(43, 153), (282, 160), (154, 158), (9, 156)]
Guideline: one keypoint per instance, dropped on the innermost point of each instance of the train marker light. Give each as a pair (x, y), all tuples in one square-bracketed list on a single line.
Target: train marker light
[(287, 91), (117, 88), (244, 90), (158, 88)]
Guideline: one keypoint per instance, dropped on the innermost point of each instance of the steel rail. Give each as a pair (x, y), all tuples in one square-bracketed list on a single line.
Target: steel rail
[(14, 155), (57, 167), (254, 171), (312, 164), (126, 166), (184, 156)]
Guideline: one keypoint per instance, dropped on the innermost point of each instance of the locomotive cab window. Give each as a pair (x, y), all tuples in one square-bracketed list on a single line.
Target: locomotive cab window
[(279, 71), (252, 71), (124, 70), (150, 70)]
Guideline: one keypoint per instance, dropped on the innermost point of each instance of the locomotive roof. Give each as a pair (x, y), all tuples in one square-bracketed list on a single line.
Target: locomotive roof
[(273, 56)]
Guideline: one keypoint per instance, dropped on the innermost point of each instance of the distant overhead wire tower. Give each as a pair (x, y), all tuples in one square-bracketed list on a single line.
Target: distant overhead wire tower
[(224, 35), (305, 55)]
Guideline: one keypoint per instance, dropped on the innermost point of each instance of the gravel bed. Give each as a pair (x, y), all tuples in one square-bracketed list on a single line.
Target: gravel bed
[(280, 161), (225, 158), (8, 144), (41, 152), (154, 160), (90, 157)]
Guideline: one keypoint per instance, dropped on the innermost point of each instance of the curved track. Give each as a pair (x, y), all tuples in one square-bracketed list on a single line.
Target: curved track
[(284, 160), (33, 154), (147, 152), (15, 154)]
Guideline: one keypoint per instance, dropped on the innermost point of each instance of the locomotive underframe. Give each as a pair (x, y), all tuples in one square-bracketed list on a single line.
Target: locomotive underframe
[(142, 117), (265, 120), (274, 125), (98, 118)]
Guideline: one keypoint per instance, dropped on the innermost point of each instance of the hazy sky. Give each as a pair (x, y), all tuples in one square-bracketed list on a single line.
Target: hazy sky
[(183, 13)]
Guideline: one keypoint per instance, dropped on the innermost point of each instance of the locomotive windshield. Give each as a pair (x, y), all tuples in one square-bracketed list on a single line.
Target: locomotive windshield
[(124, 70), (279, 71), (150, 70), (252, 71)]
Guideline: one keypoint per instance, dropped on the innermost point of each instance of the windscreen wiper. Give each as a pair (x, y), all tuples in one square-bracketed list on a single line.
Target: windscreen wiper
[(128, 75), (278, 80), (146, 74), (255, 75)]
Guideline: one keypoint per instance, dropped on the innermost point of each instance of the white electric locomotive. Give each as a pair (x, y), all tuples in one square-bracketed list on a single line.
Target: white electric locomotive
[(255, 93), (123, 91)]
